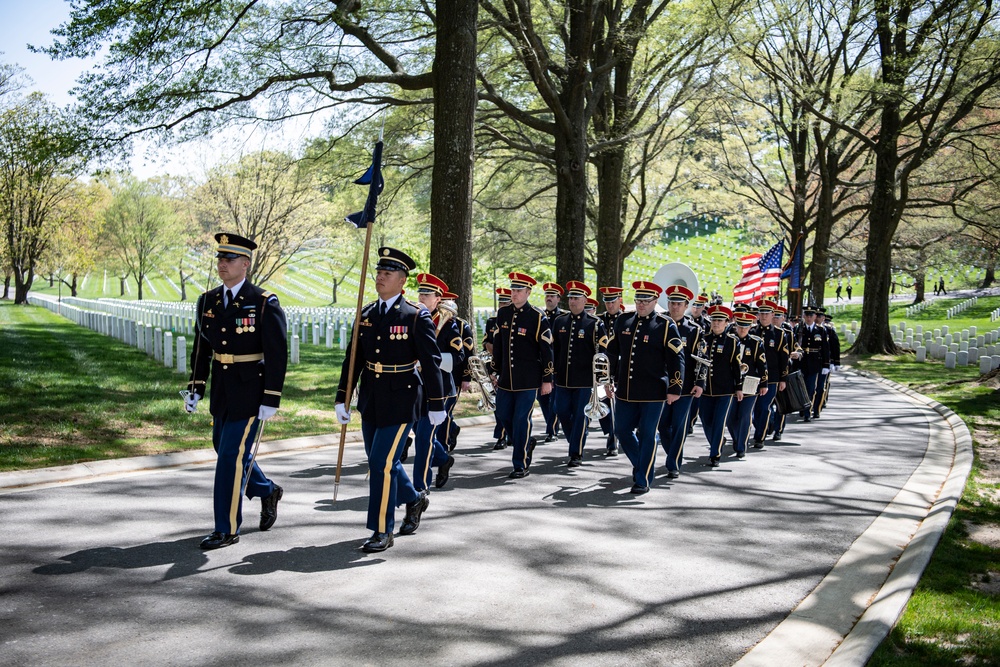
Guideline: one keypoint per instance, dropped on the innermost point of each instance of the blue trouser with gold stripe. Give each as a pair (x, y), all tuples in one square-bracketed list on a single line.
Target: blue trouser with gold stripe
[(714, 411), (514, 412), (739, 420), (548, 405), (429, 451), (635, 426), (673, 430), (388, 484), (570, 403), (762, 412), (233, 442)]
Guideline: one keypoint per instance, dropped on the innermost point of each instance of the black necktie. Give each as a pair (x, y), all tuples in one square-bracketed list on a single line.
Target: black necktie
[(381, 309), (229, 298)]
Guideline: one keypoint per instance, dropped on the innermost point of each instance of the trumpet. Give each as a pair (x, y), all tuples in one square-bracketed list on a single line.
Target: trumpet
[(478, 366), (602, 377)]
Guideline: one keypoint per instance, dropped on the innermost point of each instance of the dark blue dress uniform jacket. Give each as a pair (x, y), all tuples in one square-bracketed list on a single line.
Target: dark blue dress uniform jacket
[(390, 393), (815, 348), (522, 348), (754, 357), (253, 324), (575, 341), (449, 339), (647, 357), (724, 375), (775, 350), (834, 341), (691, 333), (461, 372)]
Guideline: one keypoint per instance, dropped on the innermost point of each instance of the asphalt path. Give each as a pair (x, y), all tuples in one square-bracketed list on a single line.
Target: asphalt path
[(564, 567)]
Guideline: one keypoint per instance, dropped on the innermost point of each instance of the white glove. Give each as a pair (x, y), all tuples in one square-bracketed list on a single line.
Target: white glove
[(825, 371), (343, 414), (266, 412), (447, 362), (833, 367), (191, 403), (437, 416)]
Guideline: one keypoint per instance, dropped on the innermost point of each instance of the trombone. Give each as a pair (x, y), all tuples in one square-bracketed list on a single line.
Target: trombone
[(602, 377)]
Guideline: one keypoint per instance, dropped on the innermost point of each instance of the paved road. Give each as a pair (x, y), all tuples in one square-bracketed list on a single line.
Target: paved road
[(564, 567)]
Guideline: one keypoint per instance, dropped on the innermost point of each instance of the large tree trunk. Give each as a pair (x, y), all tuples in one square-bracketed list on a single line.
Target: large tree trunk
[(455, 100), (571, 196), (919, 285), (73, 286), (121, 287), (139, 281), (610, 212), (828, 160), (989, 278)]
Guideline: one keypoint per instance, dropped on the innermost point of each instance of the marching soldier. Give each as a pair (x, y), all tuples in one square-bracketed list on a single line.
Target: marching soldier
[(698, 317), (752, 357), (612, 297), (576, 337), (591, 307), (461, 373), (721, 382), (834, 342), (522, 360), (503, 299), (776, 354), (647, 365), (394, 338), (794, 354), (430, 451), (815, 362), (240, 335), (674, 418), (553, 295)]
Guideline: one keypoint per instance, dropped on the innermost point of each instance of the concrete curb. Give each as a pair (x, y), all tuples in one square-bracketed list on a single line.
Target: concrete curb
[(82, 473), (845, 618)]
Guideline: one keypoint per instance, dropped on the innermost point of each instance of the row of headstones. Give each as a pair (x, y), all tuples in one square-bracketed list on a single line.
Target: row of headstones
[(917, 308), (995, 315), (962, 307), (959, 349)]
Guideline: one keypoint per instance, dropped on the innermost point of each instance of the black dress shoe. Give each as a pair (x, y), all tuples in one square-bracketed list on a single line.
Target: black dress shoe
[(611, 452), (453, 443), (673, 474), (741, 455), (517, 474), (443, 469), (218, 540), (714, 461), (549, 437), (501, 444), (777, 437), (406, 452), (575, 462), (758, 444), (377, 542), (639, 489), (807, 419), (269, 508), (413, 512)]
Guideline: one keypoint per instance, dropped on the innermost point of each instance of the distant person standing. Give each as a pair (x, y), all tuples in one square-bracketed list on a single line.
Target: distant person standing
[(839, 288), (241, 339), (941, 286), (849, 290)]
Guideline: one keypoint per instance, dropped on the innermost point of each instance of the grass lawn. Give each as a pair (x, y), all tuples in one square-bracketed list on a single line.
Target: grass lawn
[(953, 617), (68, 395)]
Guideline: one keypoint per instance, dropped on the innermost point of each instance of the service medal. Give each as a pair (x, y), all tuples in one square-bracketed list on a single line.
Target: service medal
[(239, 330), (405, 336), (253, 328), (392, 336)]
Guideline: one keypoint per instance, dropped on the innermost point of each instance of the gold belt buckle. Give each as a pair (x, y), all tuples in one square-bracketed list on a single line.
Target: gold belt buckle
[(378, 366), (226, 358)]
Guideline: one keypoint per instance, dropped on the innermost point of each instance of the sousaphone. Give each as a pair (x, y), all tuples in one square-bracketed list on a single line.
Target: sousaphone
[(675, 273)]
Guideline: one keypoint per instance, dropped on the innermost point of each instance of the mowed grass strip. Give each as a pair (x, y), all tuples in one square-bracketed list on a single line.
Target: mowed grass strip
[(953, 617)]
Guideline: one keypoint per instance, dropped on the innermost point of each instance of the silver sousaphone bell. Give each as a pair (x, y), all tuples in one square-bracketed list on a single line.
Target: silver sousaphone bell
[(675, 273)]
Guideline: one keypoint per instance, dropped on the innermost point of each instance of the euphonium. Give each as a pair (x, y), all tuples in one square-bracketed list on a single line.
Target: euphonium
[(602, 377), (480, 373)]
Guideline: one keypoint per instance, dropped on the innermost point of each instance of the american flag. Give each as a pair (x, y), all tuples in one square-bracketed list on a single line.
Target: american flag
[(761, 275)]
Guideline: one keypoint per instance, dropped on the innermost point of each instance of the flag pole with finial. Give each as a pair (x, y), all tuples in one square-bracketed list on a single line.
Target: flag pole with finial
[(366, 219)]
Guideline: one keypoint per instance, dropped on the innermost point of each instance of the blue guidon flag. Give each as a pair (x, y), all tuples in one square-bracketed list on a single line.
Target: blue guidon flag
[(373, 179)]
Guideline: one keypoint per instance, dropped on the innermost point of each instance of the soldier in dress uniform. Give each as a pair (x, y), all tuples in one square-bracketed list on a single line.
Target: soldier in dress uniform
[(721, 382), (752, 357), (553, 296), (674, 418), (612, 297), (826, 321), (794, 354), (461, 373), (699, 317), (430, 450), (591, 307), (522, 361), (503, 299), (647, 364), (576, 338), (815, 361), (398, 375), (776, 353), (240, 336)]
